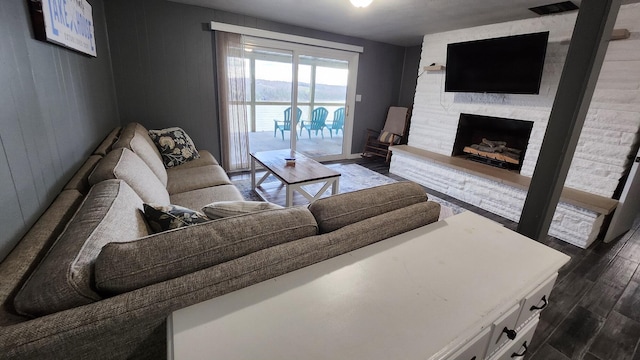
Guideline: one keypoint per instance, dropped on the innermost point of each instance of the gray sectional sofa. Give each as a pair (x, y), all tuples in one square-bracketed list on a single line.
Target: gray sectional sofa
[(91, 281)]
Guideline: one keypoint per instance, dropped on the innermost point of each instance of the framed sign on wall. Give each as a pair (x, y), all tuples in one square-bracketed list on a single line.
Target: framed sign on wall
[(68, 23)]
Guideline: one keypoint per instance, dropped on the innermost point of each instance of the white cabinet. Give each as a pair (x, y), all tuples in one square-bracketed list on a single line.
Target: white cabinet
[(503, 330), (518, 348), (510, 335), (443, 291), (475, 349), (536, 301)]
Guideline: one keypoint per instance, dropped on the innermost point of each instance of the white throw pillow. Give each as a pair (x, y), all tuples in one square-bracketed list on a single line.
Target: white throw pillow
[(221, 209)]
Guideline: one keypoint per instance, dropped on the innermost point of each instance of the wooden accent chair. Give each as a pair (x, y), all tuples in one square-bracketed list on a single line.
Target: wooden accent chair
[(393, 133), (317, 123), (286, 124)]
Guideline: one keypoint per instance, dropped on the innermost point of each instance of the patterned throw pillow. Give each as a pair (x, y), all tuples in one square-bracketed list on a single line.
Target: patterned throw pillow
[(220, 209), (166, 217), (176, 147), (389, 138)]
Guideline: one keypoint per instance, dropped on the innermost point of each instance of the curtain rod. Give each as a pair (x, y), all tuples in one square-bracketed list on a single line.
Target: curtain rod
[(243, 30)]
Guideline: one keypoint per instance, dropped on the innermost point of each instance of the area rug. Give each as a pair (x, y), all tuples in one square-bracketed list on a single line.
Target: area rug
[(353, 177)]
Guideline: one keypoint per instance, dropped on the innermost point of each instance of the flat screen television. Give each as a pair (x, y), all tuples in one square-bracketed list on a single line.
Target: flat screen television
[(510, 65)]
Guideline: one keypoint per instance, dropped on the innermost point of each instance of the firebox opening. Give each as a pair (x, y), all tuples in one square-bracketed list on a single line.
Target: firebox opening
[(499, 142)]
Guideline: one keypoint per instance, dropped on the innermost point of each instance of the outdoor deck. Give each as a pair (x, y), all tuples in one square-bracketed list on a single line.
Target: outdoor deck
[(315, 146)]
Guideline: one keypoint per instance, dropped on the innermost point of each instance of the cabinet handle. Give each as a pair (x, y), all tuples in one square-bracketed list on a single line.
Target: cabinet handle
[(511, 334), (544, 305), (522, 353)]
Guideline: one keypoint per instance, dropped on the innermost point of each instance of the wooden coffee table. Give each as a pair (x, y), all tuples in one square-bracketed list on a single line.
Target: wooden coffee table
[(306, 171)]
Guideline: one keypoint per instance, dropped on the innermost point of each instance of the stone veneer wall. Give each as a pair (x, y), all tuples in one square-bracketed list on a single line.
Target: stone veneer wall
[(608, 136), (572, 224)]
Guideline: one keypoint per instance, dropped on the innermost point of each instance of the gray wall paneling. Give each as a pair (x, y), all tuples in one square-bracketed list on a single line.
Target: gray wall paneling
[(57, 105), (164, 67)]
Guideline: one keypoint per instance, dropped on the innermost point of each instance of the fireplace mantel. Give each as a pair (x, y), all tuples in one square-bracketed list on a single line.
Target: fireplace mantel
[(574, 197)]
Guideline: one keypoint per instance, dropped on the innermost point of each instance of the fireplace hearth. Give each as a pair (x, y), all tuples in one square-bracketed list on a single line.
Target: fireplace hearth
[(499, 142)]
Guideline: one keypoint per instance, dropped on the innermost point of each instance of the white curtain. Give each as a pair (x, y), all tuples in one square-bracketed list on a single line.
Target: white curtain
[(234, 133)]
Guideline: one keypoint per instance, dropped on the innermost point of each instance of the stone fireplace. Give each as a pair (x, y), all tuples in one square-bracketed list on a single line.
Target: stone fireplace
[(495, 141), (609, 134)]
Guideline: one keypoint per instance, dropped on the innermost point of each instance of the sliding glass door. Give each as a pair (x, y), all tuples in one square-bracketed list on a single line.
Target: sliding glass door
[(322, 97), (301, 98), (269, 97)]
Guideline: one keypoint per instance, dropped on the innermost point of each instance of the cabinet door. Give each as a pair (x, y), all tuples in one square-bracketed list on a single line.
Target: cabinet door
[(518, 350), (475, 349), (536, 301), (503, 330)]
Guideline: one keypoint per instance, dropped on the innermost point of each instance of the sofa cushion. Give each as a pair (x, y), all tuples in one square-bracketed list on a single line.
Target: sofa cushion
[(136, 138), (206, 158), (80, 180), (175, 146), (111, 212), (188, 179), (166, 217), (122, 267), (24, 257), (383, 226), (123, 164), (221, 209), (197, 199), (389, 138), (336, 211)]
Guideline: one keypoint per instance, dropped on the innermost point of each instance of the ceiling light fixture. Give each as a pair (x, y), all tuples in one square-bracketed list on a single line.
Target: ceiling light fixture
[(361, 3)]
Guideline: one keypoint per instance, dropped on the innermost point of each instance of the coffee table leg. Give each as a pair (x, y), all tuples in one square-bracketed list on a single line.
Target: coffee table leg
[(253, 173), (335, 188), (289, 201)]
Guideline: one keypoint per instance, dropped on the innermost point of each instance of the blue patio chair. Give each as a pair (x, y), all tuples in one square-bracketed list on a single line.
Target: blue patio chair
[(317, 123), (286, 124), (338, 122)]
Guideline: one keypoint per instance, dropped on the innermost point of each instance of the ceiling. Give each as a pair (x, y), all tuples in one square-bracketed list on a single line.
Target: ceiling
[(399, 22)]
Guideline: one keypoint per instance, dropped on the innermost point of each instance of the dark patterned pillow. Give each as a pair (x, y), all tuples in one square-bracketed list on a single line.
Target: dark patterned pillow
[(176, 147), (166, 217)]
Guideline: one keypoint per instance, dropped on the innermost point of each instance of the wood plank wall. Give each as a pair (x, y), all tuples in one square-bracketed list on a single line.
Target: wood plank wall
[(56, 105)]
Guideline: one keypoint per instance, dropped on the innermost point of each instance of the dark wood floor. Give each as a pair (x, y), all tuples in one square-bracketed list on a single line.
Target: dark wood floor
[(594, 310)]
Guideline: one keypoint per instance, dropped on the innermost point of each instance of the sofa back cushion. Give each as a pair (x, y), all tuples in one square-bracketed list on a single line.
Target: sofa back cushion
[(21, 261), (123, 267), (380, 227), (336, 211), (111, 212), (123, 164), (135, 137)]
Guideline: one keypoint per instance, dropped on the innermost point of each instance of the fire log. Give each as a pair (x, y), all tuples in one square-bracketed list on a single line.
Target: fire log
[(493, 143)]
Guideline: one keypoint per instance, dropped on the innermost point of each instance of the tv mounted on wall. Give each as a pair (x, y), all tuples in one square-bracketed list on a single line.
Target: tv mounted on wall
[(509, 65)]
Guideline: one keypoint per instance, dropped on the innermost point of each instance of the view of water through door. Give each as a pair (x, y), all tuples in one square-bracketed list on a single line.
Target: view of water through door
[(311, 118), (322, 96), (269, 98)]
